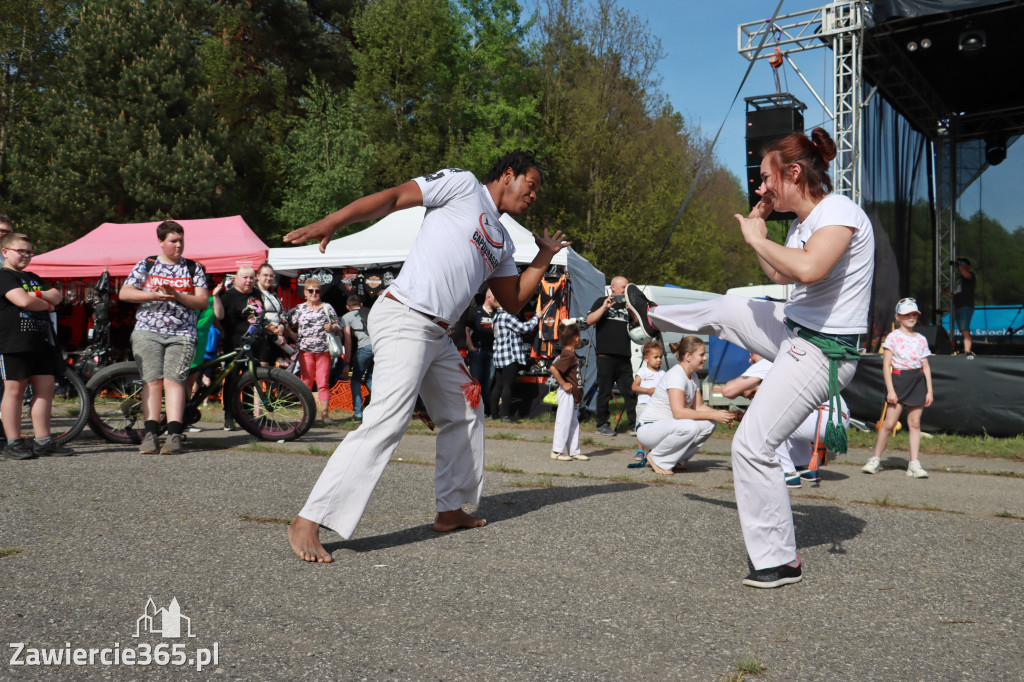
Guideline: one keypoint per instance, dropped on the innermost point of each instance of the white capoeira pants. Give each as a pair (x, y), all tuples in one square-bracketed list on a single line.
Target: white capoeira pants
[(671, 441), (796, 450), (795, 386), (567, 425), (412, 355)]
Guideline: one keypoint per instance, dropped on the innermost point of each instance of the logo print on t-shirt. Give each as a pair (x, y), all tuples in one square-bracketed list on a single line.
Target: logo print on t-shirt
[(485, 227)]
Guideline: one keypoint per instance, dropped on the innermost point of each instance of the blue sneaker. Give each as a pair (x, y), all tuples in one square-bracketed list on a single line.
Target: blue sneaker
[(640, 454), (808, 475), (793, 479)]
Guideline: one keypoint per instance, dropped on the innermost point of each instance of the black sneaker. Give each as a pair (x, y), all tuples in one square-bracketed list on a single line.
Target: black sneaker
[(51, 449), (641, 307), (18, 449), (775, 577)]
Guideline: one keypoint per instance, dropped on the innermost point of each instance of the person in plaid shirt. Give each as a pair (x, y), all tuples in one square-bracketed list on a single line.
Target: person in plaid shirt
[(509, 357)]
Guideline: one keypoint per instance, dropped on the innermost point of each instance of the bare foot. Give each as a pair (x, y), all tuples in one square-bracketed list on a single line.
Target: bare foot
[(450, 520), (657, 469), (304, 537)]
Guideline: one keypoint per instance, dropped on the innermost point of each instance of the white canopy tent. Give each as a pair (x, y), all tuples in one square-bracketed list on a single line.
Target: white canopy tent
[(386, 242)]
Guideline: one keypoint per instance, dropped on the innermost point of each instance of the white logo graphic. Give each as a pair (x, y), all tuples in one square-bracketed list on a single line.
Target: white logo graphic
[(164, 622)]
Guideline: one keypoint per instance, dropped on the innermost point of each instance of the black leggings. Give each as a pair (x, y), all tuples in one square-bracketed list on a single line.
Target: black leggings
[(504, 378)]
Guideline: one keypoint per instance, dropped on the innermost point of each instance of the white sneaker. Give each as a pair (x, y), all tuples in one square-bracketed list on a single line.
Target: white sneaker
[(581, 457), (916, 471), (560, 456), (871, 467)]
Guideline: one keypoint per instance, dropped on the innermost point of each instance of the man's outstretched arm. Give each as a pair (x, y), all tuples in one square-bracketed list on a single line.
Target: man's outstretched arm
[(370, 207)]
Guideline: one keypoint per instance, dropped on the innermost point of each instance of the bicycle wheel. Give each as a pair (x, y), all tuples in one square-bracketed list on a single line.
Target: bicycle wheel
[(116, 413), (286, 413), (70, 408)]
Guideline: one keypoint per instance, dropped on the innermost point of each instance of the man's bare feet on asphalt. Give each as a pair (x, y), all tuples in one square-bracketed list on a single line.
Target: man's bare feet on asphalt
[(304, 537), (450, 520), (657, 469)]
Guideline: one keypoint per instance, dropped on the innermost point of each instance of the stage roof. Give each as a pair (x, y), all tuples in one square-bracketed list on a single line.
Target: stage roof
[(971, 93)]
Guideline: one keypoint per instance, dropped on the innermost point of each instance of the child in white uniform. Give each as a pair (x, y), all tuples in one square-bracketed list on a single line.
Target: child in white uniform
[(644, 383), (676, 422), (908, 381), (565, 444)]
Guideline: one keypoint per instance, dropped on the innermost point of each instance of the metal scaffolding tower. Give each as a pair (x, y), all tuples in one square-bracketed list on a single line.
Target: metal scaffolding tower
[(838, 25)]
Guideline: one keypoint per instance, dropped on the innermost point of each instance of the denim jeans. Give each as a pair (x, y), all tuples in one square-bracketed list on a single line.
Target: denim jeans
[(362, 372)]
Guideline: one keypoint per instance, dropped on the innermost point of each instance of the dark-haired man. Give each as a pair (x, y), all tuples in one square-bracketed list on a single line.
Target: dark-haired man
[(170, 290), (461, 244)]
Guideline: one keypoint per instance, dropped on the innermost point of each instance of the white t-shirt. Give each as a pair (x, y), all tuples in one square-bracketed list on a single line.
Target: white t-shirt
[(649, 378), (460, 244), (838, 303), (658, 407), (759, 370)]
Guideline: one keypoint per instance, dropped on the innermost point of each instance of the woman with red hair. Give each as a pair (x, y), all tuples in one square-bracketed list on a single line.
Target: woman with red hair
[(813, 338)]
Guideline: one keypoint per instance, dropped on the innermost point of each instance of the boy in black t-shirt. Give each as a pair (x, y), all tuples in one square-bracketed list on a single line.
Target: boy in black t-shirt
[(27, 353)]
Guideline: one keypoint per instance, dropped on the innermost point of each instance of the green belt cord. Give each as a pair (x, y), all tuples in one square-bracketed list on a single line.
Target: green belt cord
[(835, 434)]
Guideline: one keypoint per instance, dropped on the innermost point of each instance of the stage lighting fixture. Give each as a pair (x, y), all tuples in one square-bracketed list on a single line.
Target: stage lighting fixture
[(911, 46), (972, 40), (926, 43), (995, 151)]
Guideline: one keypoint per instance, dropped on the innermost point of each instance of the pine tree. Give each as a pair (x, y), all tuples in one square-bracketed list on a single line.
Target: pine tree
[(131, 133)]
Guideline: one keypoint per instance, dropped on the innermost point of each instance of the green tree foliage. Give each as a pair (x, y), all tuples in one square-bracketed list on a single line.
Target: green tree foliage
[(258, 56), (324, 160), (31, 45), (131, 132), (622, 161), (497, 99), (406, 84)]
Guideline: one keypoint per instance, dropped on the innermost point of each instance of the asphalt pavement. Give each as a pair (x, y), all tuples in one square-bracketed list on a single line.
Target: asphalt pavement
[(585, 570)]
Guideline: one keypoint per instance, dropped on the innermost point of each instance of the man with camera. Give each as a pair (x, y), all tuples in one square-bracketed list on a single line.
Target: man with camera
[(963, 300), (610, 319)]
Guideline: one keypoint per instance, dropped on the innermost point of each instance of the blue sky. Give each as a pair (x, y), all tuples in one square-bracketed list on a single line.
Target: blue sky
[(702, 70)]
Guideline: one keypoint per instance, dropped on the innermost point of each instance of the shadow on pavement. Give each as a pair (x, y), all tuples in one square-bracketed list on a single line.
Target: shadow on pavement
[(815, 525), (495, 508)]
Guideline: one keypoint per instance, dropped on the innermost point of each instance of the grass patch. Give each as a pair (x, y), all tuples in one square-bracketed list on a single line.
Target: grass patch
[(504, 435), (503, 468), (945, 444), (264, 519), (317, 450), (886, 502), (540, 482), (1009, 515), (9, 551), (748, 666)]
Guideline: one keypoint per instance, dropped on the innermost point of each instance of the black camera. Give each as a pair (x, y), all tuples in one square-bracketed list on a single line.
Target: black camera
[(959, 261)]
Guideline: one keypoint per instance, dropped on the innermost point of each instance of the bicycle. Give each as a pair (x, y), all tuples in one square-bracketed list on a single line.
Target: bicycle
[(268, 402), (70, 411)]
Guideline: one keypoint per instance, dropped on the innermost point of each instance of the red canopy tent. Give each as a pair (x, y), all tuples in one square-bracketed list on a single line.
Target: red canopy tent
[(220, 244)]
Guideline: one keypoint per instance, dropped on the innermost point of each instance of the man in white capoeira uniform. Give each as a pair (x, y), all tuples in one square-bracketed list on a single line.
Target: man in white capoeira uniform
[(461, 244)]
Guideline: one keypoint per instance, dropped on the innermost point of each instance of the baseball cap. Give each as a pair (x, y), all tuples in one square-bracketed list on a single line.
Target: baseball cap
[(907, 306)]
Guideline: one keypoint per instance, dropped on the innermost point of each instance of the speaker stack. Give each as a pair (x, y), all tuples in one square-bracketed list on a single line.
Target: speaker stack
[(769, 117)]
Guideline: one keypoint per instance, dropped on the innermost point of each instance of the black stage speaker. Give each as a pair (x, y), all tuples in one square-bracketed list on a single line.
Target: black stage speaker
[(769, 117), (938, 338)]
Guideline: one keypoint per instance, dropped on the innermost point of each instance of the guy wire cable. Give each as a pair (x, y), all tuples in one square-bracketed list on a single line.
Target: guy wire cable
[(711, 149)]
